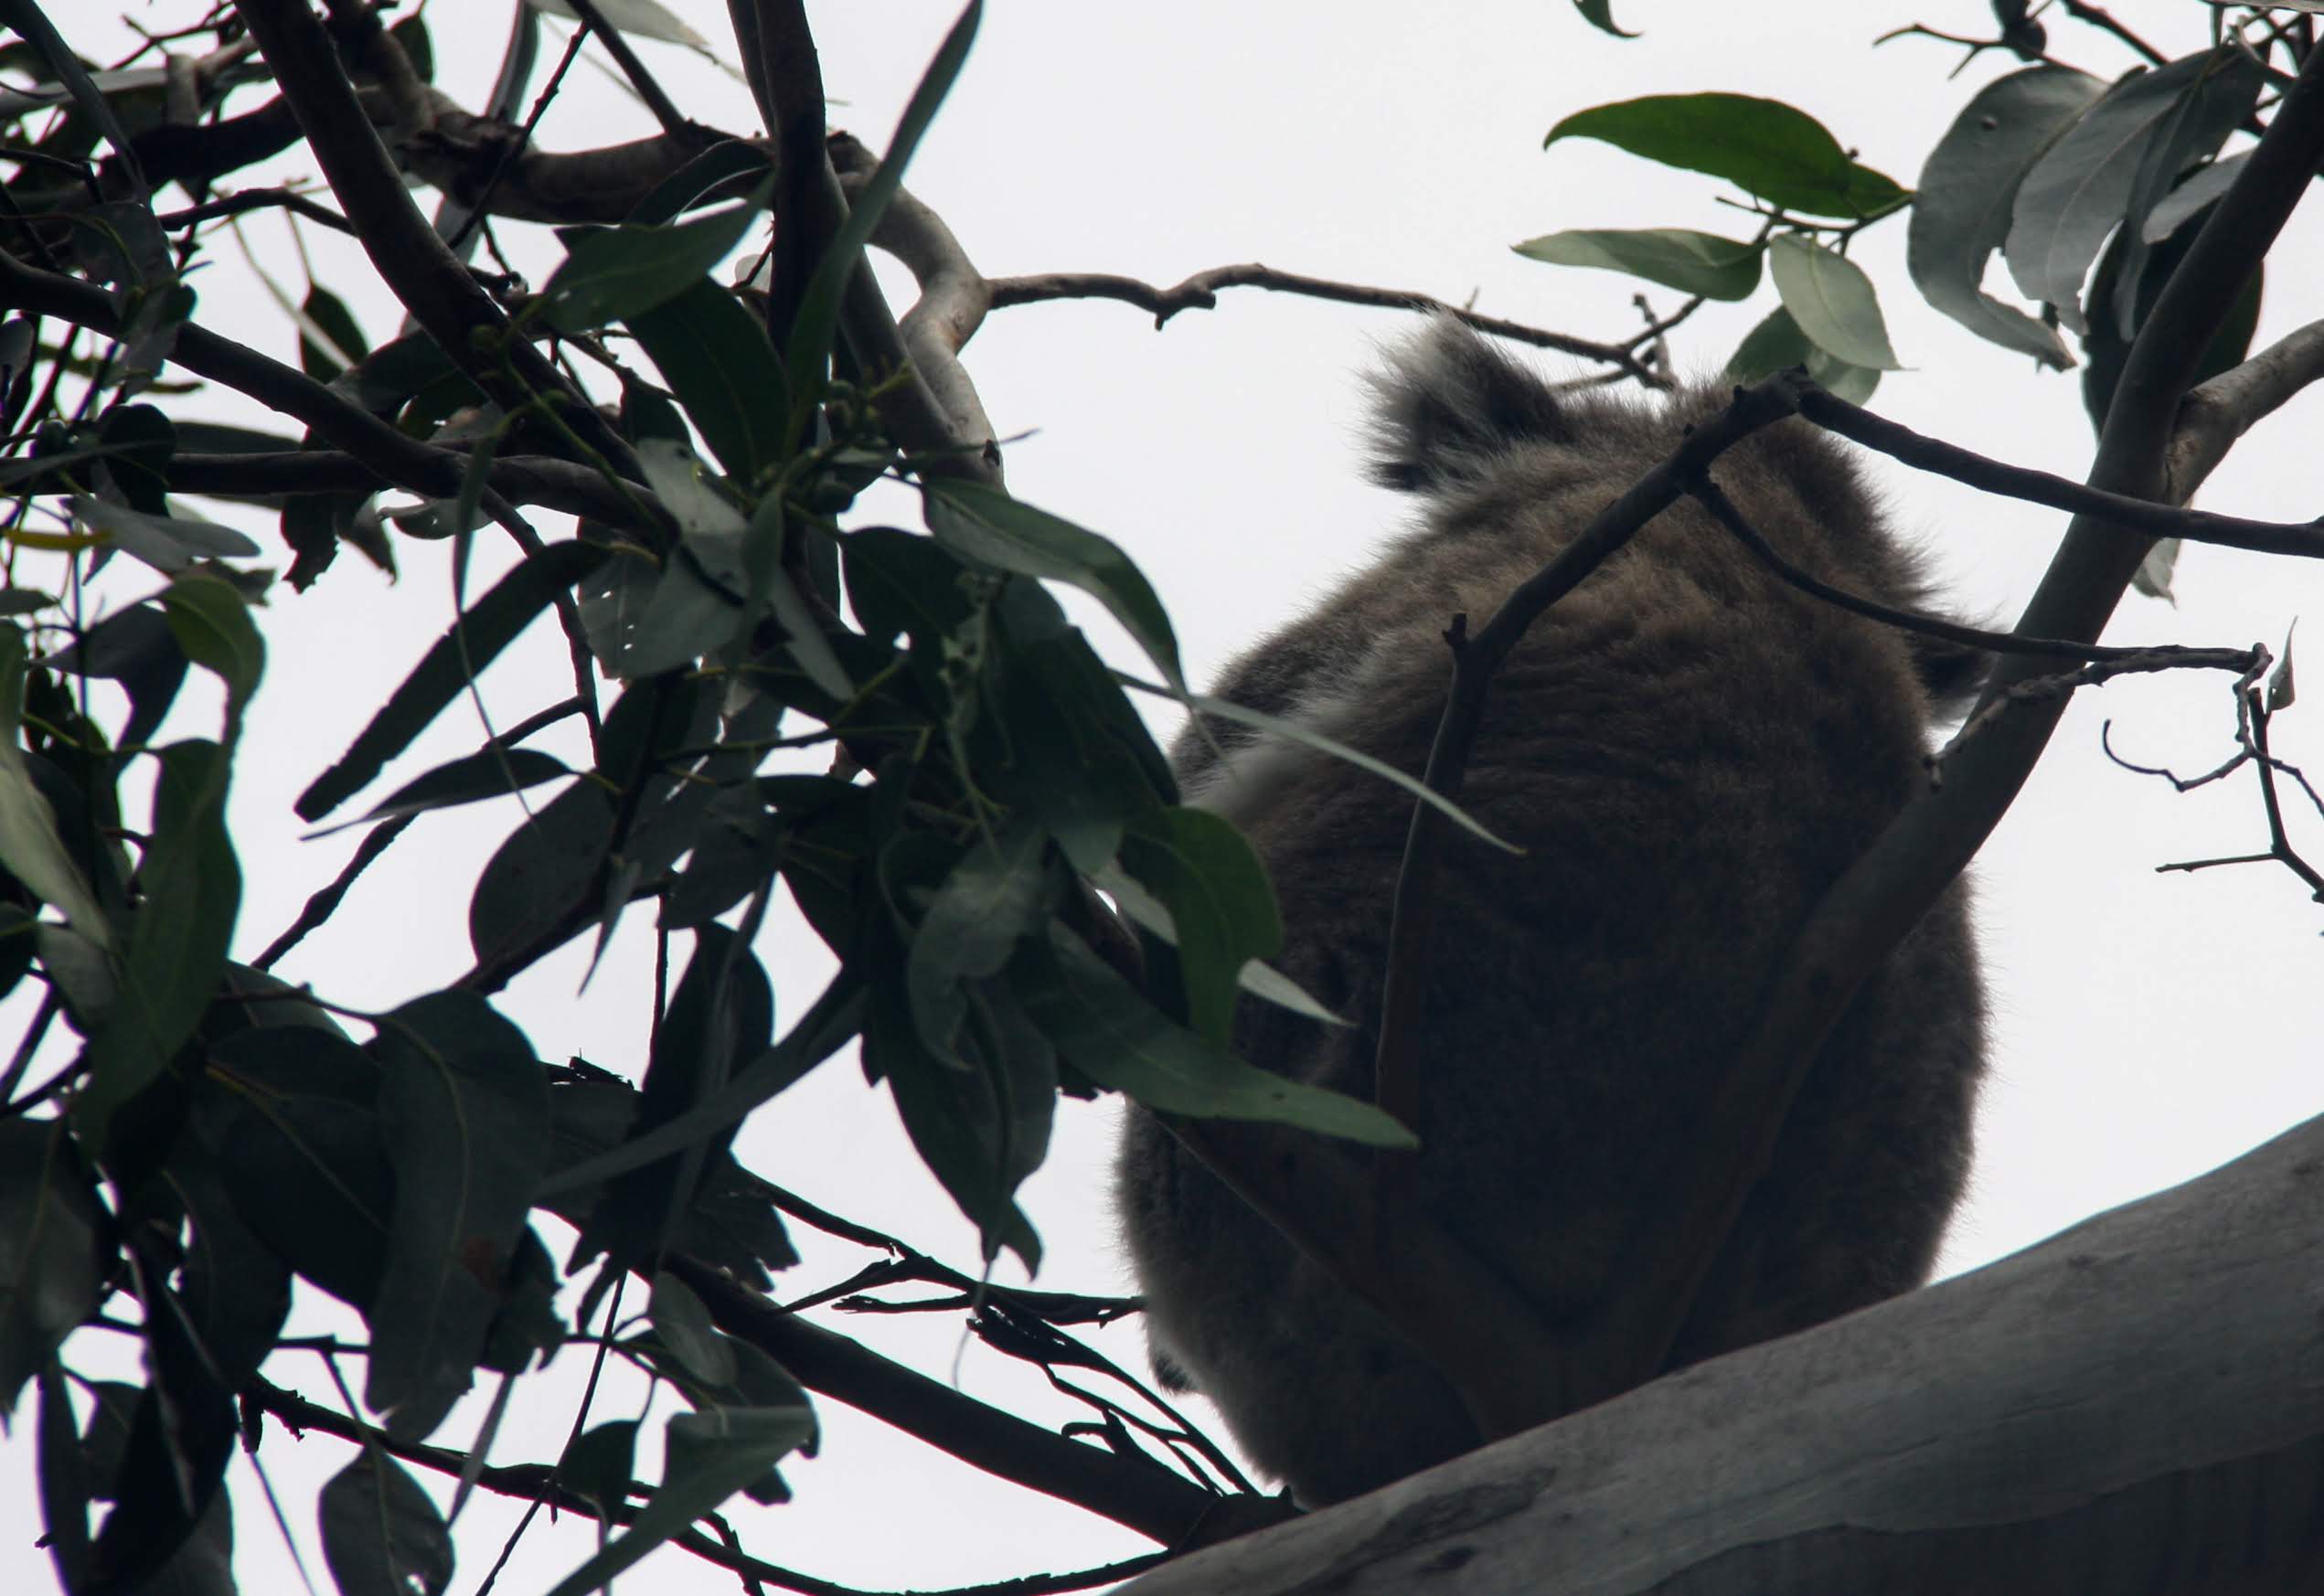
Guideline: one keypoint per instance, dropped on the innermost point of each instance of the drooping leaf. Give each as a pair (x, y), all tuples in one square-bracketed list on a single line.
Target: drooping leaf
[(2182, 204), (174, 1463), (491, 772), (66, 1485), (441, 674), (238, 1290), (55, 1248), (1146, 911), (463, 1106), (1961, 210), (1106, 1029), (1832, 299), (169, 542), (988, 528), (1764, 147), (2213, 106), (330, 339), (711, 1455), (134, 647), (996, 894), (717, 359), (176, 954), (212, 624), (1679, 258), (821, 1031), (381, 1533), (682, 1322), (731, 167), (289, 1116), (1220, 904), (138, 441), (2138, 277), (2077, 192), (600, 1463), (1599, 13), (611, 273)]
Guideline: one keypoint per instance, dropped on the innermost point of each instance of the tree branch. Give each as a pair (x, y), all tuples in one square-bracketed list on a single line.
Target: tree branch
[(425, 275), (1200, 291)]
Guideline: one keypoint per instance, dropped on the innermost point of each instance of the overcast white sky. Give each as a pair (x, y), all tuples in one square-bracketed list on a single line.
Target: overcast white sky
[(2148, 1026)]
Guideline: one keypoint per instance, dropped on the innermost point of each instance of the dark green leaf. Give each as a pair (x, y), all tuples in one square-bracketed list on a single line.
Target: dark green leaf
[(716, 358), (721, 1014), (330, 315), (139, 442), (2211, 108), (2076, 194), (488, 628), (1221, 907), (2181, 205), (1599, 13), (821, 1031), (463, 1106), (542, 876), (66, 1482), (1678, 258), (238, 1290), (381, 1533), (736, 849), (167, 543), (384, 380), (2106, 349), (136, 648), (177, 943), (55, 1248), (121, 243), (710, 1455), (612, 273), (174, 1464), (986, 528), (981, 1129), (600, 1463), (809, 350), (212, 623), (1108, 1031), (1961, 212), (1001, 889), (289, 1113), (492, 773), (683, 1324), (1764, 147), (1832, 299), (731, 167)]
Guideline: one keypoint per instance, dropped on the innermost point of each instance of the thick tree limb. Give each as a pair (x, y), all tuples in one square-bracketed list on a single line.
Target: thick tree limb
[(2136, 1404)]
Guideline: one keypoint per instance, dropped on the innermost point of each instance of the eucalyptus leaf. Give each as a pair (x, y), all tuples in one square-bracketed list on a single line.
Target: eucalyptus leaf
[(1679, 258), (55, 1248), (1764, 147), (1961, 211), (611, 274), (382, 1535), (1832, 299)]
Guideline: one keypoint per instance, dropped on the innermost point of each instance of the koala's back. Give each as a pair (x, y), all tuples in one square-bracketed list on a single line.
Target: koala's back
[(1691, 753)]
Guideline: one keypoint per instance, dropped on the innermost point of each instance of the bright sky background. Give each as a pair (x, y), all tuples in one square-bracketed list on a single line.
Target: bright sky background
[(2147, 1027)]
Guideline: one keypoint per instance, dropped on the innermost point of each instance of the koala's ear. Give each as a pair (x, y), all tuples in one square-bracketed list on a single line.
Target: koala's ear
[(1951, 674)]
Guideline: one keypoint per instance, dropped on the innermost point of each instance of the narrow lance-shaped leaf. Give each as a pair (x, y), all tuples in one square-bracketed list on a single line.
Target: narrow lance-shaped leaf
[(2075, 195), (491, 772), (488, 627), (1107, 1030), (717, 1452), (51, 1253), (1678, 258), (988, 528), (993, 897), (1220, 904), (609, 274), (718, 361), (29, 844), (193, 891)]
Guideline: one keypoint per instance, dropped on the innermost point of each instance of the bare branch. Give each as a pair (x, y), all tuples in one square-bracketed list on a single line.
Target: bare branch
[(1200, 291)]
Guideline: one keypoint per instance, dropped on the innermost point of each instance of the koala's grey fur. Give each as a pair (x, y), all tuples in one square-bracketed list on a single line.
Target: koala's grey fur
[(1690, 752)]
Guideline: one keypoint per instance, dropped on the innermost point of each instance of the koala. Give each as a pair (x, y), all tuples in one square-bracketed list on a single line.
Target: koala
[(1690, 752)]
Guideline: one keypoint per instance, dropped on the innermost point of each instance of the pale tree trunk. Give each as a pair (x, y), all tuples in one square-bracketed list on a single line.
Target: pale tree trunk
[(2135, 1405)]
